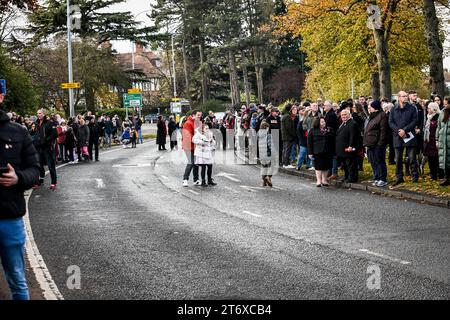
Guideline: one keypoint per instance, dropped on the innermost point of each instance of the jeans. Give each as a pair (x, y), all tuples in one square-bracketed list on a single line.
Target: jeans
[(377, 159), (12, 247), (334, 170), (302, 156), (294, 152), (191, 166), (411, 153), (108, 139), (47, 157), (140, 139)]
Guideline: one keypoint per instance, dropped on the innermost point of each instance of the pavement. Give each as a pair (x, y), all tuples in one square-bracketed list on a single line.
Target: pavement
[(135, 233)]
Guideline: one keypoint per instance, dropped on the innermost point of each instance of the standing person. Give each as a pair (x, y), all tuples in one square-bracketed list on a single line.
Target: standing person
[(161, 134), (375, 140), (138, 127), (274, 122), (83, 139), (421, 118), (94, 136), (193, 122), (310, 116), (20, 165), (303, 143), (332, 121), (347, 144), (46, 147), (321, 144), (443, 139), (403, 122), (70, 142), (387, 107), (204, 153), (173, 133), (438, 99), (61, 141), (109, 131), (289, 123), (266, 158), (430, 149)]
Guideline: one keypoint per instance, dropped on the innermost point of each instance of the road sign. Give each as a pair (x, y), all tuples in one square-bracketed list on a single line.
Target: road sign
[(176, 99), (2, 86), (175, 107), (132, 100), (74, 85), (131, 91)]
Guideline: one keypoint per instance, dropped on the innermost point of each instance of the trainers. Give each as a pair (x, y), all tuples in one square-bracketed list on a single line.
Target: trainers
[(375, 182), (312, 169), (185, 183), (197, 183), (289, 167), (53, 187), (212, 183), (204, 184), (382, 184)]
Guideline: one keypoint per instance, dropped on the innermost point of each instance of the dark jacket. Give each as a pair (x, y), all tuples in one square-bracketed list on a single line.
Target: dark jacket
[(94, 132), (288, 128), (430, 147), (332, 120), (47, 134), (16, 148), (301, 135), (319, 143), (405, 119), (161, 133), (376, 133), (83, 136), (347, 136), (109, 128)]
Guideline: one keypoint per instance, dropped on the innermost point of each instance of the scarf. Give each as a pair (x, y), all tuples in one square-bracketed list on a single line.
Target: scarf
[(427, 127)]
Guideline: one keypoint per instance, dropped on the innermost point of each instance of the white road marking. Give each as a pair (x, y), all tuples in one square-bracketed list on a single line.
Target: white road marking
[(252, 214), (278, 188), (165, 178), (142, 165), (380, 255), (248, 188), (100, 183), (229, 176), (194, 192)]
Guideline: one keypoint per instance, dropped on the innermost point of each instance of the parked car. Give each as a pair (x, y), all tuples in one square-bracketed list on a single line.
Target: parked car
[(151, 118)]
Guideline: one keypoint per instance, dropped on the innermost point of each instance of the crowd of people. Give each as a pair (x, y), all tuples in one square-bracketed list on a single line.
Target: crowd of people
[(76, 140), (410, 133)]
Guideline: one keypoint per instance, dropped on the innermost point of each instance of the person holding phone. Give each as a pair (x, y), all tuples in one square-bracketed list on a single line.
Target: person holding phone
[(19, 171)]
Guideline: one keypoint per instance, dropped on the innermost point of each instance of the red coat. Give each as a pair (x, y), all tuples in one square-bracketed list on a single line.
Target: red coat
[(187, 134)]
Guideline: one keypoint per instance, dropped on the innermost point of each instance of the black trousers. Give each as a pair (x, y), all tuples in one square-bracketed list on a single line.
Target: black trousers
[(433, 163), (411, 153), (173, 144), (93, 146), (287, 147), (206, 168), (47, 157), (191, 166), (350, 165)]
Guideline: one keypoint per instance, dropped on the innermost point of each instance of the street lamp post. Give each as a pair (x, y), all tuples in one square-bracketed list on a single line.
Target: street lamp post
[(69, 58), (174, 71)]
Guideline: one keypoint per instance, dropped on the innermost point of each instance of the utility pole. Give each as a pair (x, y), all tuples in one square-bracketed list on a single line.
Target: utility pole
[(175, 95), (69, 58)]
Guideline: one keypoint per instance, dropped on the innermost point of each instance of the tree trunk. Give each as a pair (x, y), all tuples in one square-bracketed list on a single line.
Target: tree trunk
[(234, 84), (186, 74), (259, 74), (375, 85), (384, 65), (435, 47), (246, 84), (205, 89)]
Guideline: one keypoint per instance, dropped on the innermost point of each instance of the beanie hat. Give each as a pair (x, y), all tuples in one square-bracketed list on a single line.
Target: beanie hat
[(376, 104)]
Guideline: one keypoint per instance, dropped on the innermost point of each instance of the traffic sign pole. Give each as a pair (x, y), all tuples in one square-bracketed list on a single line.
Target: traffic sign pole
[(69, 58)]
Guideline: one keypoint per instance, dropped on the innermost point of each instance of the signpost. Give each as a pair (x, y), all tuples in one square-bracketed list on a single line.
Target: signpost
[(132, 100), (73, 85)]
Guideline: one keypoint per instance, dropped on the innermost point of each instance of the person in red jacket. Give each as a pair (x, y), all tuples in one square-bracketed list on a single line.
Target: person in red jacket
[(193, 122)]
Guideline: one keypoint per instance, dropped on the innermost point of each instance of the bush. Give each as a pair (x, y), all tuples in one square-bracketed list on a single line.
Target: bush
[(121, 112)]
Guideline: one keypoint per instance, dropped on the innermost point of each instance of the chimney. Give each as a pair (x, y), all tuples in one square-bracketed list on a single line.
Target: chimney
[(139, 48)]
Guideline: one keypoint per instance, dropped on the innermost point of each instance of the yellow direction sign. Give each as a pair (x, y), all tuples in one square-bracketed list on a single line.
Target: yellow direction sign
[(176, 99), (131, 91), (74, 85)]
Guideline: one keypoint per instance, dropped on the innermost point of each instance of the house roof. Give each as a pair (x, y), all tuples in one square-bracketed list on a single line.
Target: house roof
[(143, 61)]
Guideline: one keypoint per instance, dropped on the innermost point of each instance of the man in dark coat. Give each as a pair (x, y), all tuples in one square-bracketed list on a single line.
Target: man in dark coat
[(403, 122), (413, 100), (375, 140), (46, 129), (347, 138), (19, 171), (161, 134), (94, 136), (332, 121)]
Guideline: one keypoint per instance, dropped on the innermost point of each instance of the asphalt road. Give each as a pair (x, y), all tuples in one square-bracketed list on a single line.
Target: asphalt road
[(136, 233)]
